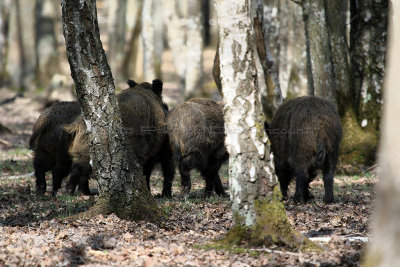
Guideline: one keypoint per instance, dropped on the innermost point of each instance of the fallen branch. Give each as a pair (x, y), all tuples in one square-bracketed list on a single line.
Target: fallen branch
[(5, 142)]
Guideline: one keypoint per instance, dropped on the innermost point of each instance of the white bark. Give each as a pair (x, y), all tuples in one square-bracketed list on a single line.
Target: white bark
[(250, 168), (384, 248)]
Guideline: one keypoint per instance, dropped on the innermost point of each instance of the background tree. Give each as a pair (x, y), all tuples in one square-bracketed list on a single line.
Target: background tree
[(384, 247), (185, 38), (121, 183), (21, 60), (152, 36), (116, 33), (329, 74), (259, 215), (4, 15), (47, 57)]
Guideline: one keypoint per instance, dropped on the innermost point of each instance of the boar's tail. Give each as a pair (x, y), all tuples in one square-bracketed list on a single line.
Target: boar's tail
[(321, 152)]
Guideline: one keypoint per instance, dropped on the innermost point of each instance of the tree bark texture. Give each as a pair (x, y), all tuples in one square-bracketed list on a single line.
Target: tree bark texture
[(384, 247), (251, 174), (321, 75), (369, 20), (121, 183)]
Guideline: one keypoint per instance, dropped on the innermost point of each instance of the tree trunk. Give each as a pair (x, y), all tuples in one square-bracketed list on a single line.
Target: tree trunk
[(131, 62), (259, 216), (152, 36), (21, 60), (384, 247), (368, 49), (116, 34), (47, 59), (321, 75), (185, 39), (122, 186), (4, 20)]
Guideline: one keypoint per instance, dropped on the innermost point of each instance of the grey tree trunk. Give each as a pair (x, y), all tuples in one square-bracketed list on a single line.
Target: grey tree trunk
[(116, 34), (320, 69), (122, 186), (21, 60), (252, 181), (283, 24), (384, 247), (152, 36), (47, 58), (368, 50)]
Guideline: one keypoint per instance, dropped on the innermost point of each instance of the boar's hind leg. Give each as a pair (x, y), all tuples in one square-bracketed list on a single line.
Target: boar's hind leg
[(284, 178), (213, 181), (147, 169), (328, 172), (185, 165), (301, 185), (40, 171), (59, 172), (168, 169)]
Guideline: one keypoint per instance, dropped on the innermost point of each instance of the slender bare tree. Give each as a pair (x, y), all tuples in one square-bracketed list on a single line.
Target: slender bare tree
[(122, 186)]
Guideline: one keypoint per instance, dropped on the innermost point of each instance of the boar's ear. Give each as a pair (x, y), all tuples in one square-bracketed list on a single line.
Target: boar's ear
[(131, 83), (157, 87)]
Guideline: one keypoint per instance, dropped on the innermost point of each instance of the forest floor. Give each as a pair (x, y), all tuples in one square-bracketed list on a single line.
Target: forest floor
[(39, 231)]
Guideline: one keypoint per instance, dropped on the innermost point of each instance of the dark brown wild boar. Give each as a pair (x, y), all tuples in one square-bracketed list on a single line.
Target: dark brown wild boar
[(196, 133), (305, 134)]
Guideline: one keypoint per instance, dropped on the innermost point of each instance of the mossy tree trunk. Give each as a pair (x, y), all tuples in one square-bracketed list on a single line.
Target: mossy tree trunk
[(384, 247), (368, 49), (259, 215), (4, 16), (122, 186)]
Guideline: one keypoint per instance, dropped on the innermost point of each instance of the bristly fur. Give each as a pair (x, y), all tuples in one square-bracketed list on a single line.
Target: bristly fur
[(305, 135)]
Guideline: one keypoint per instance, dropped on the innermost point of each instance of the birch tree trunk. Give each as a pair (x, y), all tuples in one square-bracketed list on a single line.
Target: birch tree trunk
[(116, 34), (384, 247), (152, 36), (47, 58), (259, 216), (122, 186), (368, 50)]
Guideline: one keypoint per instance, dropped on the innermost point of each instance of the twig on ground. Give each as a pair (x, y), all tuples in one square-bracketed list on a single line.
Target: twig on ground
[(5, 142)]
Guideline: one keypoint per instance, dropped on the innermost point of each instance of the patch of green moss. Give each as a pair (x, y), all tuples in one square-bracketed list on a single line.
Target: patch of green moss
[(272, 228), (358, 145)]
